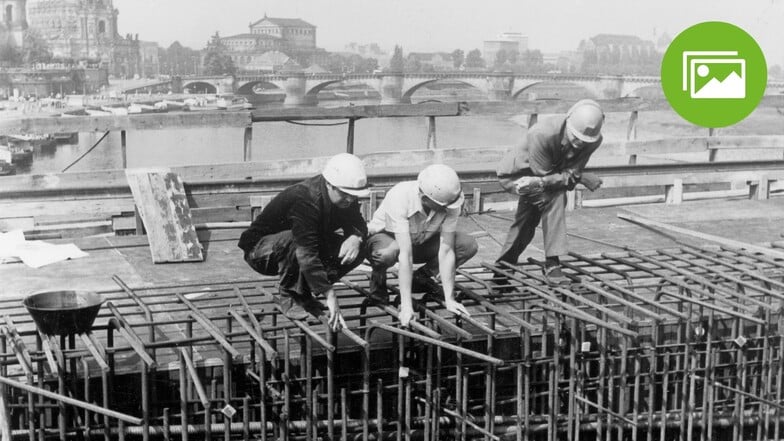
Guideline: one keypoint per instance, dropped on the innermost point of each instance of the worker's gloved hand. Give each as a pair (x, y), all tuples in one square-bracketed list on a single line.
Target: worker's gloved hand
[(555, 181), (529, 186), (591, 181)]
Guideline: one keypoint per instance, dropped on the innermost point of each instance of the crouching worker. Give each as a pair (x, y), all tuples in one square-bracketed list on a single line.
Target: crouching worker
[(310, 235), (548, 162), (417, 223)]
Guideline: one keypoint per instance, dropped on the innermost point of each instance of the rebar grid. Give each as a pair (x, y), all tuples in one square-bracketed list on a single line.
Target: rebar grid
[(657, 345)]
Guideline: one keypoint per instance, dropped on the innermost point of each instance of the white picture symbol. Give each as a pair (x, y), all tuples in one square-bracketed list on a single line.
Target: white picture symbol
[(714, 74)]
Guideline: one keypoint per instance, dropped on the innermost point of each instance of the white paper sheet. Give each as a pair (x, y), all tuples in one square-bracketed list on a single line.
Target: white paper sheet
[(34, 253)]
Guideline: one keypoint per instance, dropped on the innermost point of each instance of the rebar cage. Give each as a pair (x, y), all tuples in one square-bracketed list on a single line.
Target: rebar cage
[(683, 343)]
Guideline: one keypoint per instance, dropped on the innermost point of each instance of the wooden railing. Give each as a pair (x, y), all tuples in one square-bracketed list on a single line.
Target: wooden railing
[(225, 192)]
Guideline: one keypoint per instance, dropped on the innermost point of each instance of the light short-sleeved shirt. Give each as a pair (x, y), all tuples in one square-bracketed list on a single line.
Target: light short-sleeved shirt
[(401, 211)]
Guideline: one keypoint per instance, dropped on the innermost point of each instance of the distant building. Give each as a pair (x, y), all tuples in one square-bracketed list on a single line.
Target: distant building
[(295, 34), (522, 40), (493, 47), (433, 60), (625, 45), (14, 21), (149, 59), (512, 43), (84, 30), (619, 54), (291, 37)]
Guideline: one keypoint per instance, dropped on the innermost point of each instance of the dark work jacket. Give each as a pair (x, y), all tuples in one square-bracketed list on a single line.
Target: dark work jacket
[(306, 210), (545, 151)]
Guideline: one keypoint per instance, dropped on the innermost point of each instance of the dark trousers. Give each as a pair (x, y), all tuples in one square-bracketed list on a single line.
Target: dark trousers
[(527, 217), (275, 254), (383, 251)]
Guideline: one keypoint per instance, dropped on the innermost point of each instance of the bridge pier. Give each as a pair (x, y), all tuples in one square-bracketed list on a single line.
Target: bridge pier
[(610, 86), (176, 84), (391, 89), (296, 91), (499, 88)]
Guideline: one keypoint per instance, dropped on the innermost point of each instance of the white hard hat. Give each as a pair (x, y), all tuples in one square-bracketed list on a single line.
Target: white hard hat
[(584, 120), (440, 183), (347, 172)]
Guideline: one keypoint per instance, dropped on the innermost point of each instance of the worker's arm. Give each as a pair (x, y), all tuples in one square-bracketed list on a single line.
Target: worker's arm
[(405, 276), (446, 267)]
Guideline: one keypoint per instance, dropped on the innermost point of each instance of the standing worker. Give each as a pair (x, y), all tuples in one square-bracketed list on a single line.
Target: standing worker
[(311, 235), (417, 223), (548, 162)]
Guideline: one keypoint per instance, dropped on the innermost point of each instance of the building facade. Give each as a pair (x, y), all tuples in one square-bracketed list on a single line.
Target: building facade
[(14, 21), (85, 30), (295, 34), (272, 41), (512, 43)]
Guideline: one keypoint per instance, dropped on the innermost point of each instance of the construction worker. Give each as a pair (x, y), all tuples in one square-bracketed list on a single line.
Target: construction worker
[(311, 234), (548, 162), (417, 223)]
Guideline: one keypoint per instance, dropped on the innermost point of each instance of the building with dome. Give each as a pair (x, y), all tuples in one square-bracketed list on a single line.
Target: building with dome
[(84, 30)]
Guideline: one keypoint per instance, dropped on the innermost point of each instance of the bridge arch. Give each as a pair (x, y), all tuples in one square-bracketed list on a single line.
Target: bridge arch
[(314, 91), (518, 90), (248, 88), (413, 88), (200, 87)]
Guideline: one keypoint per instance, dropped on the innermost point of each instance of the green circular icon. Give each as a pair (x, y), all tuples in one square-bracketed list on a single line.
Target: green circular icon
[(714, 74)]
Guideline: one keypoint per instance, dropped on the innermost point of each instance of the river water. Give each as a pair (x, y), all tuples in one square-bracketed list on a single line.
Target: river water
[(271, 140), (281, 140)]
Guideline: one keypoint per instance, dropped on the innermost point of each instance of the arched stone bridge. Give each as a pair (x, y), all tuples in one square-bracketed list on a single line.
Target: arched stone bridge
[(396, 88)]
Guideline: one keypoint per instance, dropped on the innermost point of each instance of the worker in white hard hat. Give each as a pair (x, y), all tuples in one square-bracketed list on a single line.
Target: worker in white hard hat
[(548, 162), (310, 235), (416, 222)]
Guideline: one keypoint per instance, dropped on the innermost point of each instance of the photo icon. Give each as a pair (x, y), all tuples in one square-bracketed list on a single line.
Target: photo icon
[(714, 75)]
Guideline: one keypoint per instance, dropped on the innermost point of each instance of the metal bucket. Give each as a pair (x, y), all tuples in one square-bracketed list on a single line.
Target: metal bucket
[(63, 312)]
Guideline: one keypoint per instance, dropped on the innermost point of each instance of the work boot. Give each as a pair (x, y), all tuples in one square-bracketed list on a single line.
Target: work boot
[(424, 281), (293, 308), (314, 307), (555, 276)]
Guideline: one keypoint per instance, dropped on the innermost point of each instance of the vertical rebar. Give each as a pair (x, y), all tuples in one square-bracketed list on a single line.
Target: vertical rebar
[(166, 424), (344, 416), (183, 398), (332, 339), (379, 409)]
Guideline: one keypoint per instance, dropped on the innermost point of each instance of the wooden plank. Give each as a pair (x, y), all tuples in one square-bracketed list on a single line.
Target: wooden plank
[(369, 111), (688, 178), (700, 235), (219, 214), (53, 208), (460, 159), (152, 121), (163, 206), (746, 142)]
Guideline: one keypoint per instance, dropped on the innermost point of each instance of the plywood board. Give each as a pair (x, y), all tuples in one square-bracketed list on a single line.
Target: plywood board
[(161, 201)]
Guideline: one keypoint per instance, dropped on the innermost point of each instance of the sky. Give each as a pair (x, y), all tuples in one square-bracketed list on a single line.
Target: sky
[(445, 25)]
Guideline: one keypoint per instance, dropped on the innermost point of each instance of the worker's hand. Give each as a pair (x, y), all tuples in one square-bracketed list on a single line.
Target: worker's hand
[(529, 186), (335, 319), (591, 181), (554, 181), (349, 250), (456, 307), (405, 315)]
